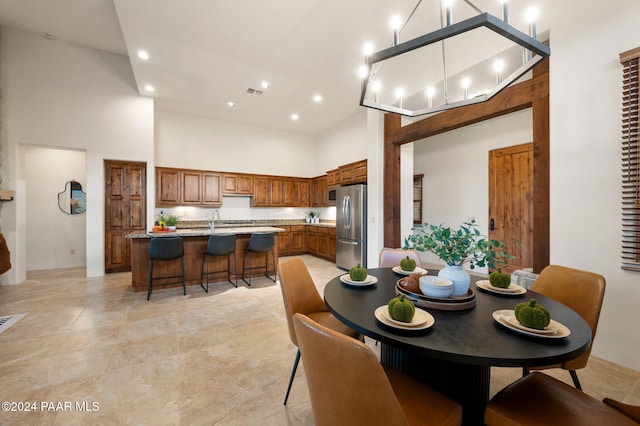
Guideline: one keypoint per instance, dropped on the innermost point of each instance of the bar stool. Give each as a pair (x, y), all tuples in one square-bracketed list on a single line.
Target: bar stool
[(260, 242), (220, 245), (162, 249)]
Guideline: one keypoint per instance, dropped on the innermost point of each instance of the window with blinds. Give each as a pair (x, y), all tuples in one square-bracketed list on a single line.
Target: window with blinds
[(630, 162)]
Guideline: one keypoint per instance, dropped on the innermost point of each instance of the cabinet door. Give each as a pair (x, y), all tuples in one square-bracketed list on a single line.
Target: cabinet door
[(346, 174), (230, 183), (211, 189), (284, 241), (276, 193), (302, 190), (191, 187), (333, 177), (137, 188), (260, 191), (312, 239), (360, 171), (245, 185), (298, 239), (167, 187), (290, 193), (332, 244), (322, 191), (323, 245)]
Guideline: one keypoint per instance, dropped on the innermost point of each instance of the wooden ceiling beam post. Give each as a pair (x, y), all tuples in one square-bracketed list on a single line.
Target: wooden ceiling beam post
[(391, 187)]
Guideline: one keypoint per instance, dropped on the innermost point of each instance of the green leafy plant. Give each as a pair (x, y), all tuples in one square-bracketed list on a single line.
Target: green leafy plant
[(170, 220), (459, 246)]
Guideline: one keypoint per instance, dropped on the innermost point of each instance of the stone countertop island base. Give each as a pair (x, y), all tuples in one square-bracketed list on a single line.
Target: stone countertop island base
[(195, 243)]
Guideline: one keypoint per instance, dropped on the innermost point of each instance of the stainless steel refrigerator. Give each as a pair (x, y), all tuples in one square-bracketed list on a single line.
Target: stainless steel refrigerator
[(351, 226)]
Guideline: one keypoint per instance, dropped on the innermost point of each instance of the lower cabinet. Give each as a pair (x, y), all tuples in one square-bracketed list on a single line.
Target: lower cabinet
[(321, 242), (292, 241)]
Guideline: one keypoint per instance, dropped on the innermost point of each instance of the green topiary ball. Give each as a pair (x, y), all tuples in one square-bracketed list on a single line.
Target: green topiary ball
[(358, 273), (498, 279)]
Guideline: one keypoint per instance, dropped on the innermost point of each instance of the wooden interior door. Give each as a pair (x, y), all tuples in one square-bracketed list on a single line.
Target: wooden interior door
[(125, 210), (511, 202)]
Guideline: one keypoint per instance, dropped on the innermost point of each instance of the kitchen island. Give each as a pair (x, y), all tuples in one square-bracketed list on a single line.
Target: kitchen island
[(195, 243)]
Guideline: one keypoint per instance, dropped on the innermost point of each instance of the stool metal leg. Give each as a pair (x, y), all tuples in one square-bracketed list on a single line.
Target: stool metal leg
[(244, 261), (235, 268), (205, 260), (184, 287), (275, 269), (150, 279)]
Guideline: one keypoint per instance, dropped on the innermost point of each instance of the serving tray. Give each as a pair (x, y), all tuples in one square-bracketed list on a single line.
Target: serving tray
[(458, 303)]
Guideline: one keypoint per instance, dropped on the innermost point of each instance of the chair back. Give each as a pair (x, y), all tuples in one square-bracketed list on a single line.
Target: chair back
[(392, 257), (221, 244), (299, 292), (261, 241), (581, 291), (166, 248), (347, 384)]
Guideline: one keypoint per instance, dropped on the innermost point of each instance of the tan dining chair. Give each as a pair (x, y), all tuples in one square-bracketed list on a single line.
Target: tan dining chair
[(392, 257), (348, 385), (300, 295), (539, 399), (581, 291)]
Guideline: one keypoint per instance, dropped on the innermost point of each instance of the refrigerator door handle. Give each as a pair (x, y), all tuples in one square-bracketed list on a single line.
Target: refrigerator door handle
[(347, 206), (353, 243)]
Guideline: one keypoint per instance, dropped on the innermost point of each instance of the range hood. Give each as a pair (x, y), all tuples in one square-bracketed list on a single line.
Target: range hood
[(6, 195)]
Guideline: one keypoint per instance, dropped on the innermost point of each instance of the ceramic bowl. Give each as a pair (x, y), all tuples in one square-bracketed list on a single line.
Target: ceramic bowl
[(435, 286)]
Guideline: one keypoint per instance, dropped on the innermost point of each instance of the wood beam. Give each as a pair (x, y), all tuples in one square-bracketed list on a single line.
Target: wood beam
[(391, 187), (534, 94)]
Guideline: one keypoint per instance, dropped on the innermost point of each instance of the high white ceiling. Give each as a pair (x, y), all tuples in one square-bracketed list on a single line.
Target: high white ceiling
[(205, 53)]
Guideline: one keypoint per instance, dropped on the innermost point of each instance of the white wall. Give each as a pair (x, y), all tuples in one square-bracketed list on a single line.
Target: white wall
[(202, 143), (586, 80), (345, 143), (456, 166), (54, 239), (60, 95)]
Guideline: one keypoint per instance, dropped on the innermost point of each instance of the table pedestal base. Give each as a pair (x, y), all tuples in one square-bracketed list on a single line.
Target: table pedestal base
[(466, 384)]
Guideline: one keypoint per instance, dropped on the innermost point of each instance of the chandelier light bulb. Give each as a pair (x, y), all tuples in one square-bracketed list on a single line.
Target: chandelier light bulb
[(448, 6), (367, 49), (498, 67), (430, 92), (505, 10), (466, 82), (375, 86), (395, 26), (531, 16), (363, 71)]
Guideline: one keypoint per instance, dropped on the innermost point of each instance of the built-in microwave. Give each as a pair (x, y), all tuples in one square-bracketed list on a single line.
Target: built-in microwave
[(331, 195)]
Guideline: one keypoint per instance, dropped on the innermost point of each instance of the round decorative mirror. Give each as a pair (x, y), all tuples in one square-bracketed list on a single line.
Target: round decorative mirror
[(73, 200)]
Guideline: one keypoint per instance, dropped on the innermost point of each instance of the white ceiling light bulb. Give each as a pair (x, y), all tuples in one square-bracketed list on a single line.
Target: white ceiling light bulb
[(231, 103), (294, 116), (505, 10), (466, 82), (149, 88), (265, 84), (395, 26), (448, 7), (143, 54), (363, 71), (498, 67), (400, 96), (430, 92), (375, 86), (367, 49), (317, 98), (531, 16)]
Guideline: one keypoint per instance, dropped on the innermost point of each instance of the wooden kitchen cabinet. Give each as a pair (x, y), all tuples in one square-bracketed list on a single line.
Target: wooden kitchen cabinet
[(289, 193), (167, 187), (283, 240), (321, 242), (237, 184), (302, 190), (333, 177), (353, 173), (276, 192), (186, 187), (298, 239), (268, 191)]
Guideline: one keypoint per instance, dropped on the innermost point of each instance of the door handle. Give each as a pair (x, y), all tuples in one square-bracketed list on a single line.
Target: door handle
[(492, 225)]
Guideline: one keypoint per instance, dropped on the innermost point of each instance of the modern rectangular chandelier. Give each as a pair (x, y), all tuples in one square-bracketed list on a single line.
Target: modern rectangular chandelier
[(411, 63)]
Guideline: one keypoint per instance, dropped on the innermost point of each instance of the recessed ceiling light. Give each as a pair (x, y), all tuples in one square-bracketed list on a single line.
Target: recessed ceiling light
[(231, 103), (149, 88), (265, 84), (143, 54), (317, 98), (294, 116)]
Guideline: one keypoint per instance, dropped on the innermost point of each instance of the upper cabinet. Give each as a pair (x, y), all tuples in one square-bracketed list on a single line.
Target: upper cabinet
[(318, 191), (278, 191), (237, 184), (188, 188), (333, 177), (353, 173)]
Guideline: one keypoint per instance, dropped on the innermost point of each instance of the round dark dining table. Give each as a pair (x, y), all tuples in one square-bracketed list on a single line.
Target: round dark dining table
[(455, 355)]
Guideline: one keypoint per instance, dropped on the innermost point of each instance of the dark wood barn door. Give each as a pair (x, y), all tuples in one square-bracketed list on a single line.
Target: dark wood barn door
[(125, 210)]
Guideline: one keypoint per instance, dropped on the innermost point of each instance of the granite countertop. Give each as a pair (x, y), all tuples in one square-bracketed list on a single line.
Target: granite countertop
[(199, 232), (199, 224)]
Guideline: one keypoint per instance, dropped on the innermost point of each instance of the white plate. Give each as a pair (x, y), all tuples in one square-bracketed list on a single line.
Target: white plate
[(550, 329), (418, 270), (503, 316), (370, 280), (514, 288), (423, 318)]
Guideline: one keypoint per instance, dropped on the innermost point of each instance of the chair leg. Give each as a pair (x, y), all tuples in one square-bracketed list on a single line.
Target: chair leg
[(576, 382), (205, 261), (235, 269), (150, 279), (293, 374), (184, 287), (275, 269), (244, 261), (524, 371)]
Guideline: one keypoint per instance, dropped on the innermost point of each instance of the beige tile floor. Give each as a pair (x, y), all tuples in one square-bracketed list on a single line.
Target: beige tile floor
[(221, 357)]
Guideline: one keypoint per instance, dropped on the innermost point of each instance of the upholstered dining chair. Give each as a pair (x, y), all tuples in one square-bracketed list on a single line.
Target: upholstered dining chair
[(392, 257), (300, 295), (349, 386), (583, 292), (539, 399)]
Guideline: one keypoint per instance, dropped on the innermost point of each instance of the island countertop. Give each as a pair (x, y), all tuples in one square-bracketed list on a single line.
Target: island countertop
[(205, 232)]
